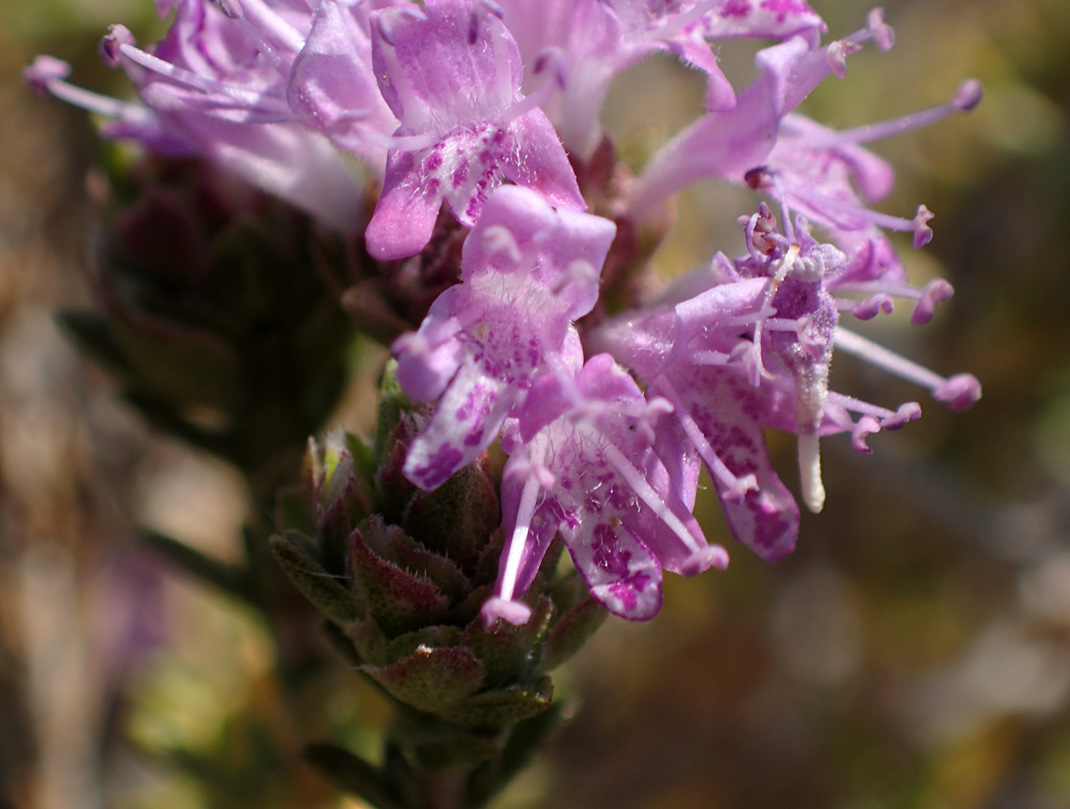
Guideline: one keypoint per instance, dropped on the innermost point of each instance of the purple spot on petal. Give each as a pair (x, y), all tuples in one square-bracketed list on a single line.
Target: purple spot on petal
[(474, 437), (460, 174), (439, 466), (624, 594), (735, 8), (432, 161)]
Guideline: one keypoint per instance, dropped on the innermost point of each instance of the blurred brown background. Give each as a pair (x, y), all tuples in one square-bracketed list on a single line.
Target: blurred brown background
[(914, 653)]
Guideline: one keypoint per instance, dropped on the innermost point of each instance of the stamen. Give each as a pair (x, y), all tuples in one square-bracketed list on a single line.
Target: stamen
[(966, 98), (918, 225), (883, 34), (926, 299), (47, 74), (736, 488), (578, 273), (869, 308), (679, 22), (936, 291), (959, 392), (655, 408), (888, 419), (264, 18), (248, 99), (111, 44), (783, 267), (646, 493), (876, 30), (816, 65), (551, 61), (519, 539)]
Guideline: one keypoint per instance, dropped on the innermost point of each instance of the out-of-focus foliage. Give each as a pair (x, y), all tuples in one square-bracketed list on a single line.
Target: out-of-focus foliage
[(914, 653)]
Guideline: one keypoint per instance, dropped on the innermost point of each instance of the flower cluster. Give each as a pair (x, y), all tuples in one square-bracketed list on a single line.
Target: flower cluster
[(489, 110)]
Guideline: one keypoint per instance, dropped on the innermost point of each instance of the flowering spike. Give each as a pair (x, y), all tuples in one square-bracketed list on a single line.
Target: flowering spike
[(468, 105)]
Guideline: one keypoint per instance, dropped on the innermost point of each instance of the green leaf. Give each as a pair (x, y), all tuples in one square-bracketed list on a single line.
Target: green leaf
[(509, 653), (293, 551), (458, 517), (399, 601), (507, 706), (431, 679), (571, 631)]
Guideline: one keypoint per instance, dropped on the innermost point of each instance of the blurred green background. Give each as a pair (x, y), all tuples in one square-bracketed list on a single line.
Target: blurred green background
[(914, 653)]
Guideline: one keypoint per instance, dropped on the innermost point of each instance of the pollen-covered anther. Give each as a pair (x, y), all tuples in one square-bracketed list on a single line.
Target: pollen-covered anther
[(882, 33), (111, 44), (760, 231), (873, 306), (758, 177), (809, 268), (837, 54), (43, 71), (935, 292), (960, 392), (907, 412), (922, 232), (968, 96)]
